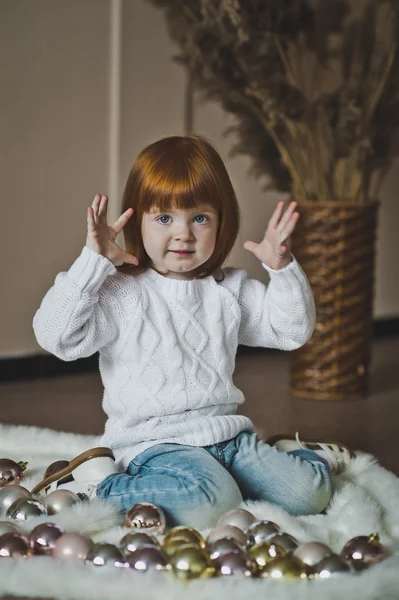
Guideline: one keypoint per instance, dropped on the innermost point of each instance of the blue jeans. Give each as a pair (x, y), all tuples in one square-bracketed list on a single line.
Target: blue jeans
[(196, 485)]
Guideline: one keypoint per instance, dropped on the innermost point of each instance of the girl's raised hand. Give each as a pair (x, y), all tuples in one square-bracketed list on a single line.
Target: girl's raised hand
[(101, 237), (274, 249)]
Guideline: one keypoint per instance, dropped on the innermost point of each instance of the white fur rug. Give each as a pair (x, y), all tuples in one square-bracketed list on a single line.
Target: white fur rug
[(366, 500)]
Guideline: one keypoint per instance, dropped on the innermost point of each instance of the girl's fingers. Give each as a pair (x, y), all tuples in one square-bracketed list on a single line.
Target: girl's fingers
[(286, 217), (121, 222), (276, 215)]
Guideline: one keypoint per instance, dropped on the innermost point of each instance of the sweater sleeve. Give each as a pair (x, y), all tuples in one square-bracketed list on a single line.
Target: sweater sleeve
[(279, 315), (74, 319)]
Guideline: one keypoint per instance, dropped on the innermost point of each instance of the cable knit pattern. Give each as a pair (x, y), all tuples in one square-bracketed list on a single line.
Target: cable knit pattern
[(167, 346)]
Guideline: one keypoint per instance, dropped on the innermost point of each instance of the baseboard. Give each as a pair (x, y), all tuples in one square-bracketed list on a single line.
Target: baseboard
[(40, 366)]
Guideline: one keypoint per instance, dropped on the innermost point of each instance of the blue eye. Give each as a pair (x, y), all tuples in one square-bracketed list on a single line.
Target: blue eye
[(168, 217)]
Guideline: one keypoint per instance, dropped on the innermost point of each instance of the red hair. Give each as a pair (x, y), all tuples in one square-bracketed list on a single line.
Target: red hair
[(180, 172)]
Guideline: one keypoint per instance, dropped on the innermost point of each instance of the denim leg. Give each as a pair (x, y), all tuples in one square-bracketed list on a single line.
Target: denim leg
[(299, 481), (187, 482)]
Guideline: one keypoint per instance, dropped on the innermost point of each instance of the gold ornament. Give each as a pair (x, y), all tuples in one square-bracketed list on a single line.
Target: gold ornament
[(285, 567), (264, 553), (145, 515), (185, 533), (177, 543), (191, 562)]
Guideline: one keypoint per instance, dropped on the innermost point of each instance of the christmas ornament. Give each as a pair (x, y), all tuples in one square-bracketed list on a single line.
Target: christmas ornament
[(14, 545), (145, 515), (191, 562), (264, 553), (185, 533), (73, 547), (137, 539), (364, 551), (106, 555), (11, 472), (24, 509), (284, 541), (42, 538), (311, 553), (59, 500), (238, 517), (285, 567), (177, 543), (9, 494), (9, 527), (260, 531), (330, 566), (234, 563), (148, 558), (56, 466), (223, 546), (227, 531)]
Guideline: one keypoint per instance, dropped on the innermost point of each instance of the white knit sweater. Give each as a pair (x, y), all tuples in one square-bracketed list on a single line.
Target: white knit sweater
[(167, 346)]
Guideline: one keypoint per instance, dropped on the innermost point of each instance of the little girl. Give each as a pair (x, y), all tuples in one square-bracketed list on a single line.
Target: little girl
[(167, 320)]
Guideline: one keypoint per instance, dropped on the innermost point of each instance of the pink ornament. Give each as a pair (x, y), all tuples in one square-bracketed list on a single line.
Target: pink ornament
[(43, 537), (227, 531), (14, 545), (237, 517), (72, 547)]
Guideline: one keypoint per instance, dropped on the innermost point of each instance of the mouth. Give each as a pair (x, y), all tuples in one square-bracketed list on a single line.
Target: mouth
[(182, 252)]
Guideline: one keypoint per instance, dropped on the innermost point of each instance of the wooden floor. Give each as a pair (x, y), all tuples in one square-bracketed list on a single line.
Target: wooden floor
[(73, 403)]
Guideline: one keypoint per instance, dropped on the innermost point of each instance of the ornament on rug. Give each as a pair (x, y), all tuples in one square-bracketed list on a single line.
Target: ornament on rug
[(264, 553), (235, 563), (11, 472), (137, 539), (106, 555), (311, 553), (9, 527), (330, 566), (223, 546), (24, 509), (227, 531), (238, 517), (148, 516), (363, 551), (9, 494), (56, 466), (285, 541), (14, 545), (176, 544), (260, 531), (285, 567), (148, 558), (73, 547), (182, 532), (42, 538), (57, 501), (192, 562)]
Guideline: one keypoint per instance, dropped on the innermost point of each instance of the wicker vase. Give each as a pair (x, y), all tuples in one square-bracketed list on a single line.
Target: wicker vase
[(334, 242)]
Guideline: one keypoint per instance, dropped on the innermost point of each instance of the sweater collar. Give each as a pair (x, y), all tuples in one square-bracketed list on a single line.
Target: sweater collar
[(178, 287)]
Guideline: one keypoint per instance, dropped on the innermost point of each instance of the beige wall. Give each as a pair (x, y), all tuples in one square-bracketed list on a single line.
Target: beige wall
[(55, 112)]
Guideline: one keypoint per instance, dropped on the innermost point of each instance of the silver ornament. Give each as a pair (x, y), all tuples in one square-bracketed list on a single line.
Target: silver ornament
[(260, 531), (106, 555), (9, 494), (330, 566), (24, 509), (285, 541), (227, 531), (137, 539), (234, 563), (13, 545), (42, 538), (148, 516), (9, 527), (59, 500), (311, 553), (148, 558), (73, 547), (11, 472), (223, 546), (238, 517)]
